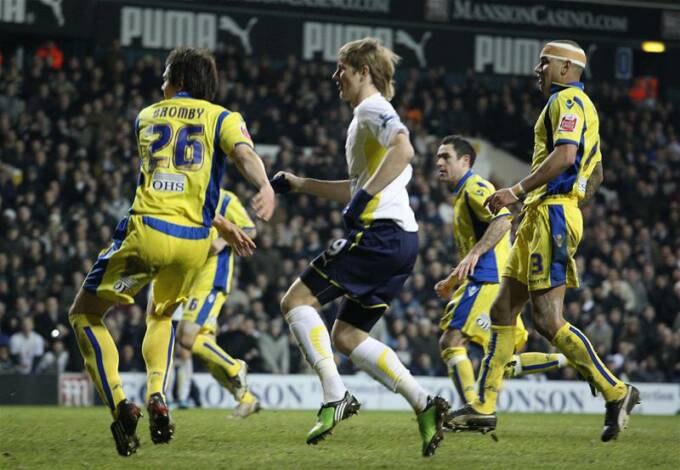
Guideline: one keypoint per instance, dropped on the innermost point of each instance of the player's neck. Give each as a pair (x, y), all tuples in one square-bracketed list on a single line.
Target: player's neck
[(364, 92)]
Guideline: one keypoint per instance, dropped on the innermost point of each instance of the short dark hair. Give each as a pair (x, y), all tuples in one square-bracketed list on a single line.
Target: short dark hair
[(194, 71), (461, 146)]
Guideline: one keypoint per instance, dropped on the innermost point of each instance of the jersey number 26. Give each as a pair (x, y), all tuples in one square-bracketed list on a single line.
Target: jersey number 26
[(187, 147)]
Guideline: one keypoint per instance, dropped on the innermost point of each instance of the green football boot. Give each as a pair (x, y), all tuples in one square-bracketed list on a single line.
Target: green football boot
[(430, 424), (331, 414)]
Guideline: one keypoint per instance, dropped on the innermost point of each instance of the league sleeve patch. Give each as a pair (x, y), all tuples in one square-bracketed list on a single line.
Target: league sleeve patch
[(568, 123), (244, 132)]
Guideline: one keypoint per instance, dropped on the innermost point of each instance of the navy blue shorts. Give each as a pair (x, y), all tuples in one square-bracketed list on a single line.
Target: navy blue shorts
[(368, 267)]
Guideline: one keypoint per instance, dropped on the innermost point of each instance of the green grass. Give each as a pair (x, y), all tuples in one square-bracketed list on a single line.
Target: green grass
[(49, 437)]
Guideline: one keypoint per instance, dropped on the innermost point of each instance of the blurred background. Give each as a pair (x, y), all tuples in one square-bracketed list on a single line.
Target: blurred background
[(74, 74)]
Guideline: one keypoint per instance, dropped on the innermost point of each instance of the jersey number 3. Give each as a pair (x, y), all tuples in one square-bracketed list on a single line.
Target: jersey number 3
[(188, 149)]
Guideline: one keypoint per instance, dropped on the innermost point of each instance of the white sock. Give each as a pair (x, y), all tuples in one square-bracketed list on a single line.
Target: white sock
[(562, 360), (381, 362), (315, 342)]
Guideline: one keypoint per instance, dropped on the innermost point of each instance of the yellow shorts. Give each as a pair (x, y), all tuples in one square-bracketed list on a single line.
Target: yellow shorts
[(545, 245), (468, 311), (209, 291), (145, 249)]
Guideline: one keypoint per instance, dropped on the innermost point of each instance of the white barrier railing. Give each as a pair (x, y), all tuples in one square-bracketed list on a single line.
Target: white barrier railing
[(303, 392)]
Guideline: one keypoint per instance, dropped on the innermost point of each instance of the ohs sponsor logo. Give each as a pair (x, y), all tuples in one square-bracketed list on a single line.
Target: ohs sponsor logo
[(169, 182), (155, 28)]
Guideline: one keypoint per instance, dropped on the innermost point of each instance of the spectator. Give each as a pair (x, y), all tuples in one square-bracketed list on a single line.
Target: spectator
[(274, 347), (26, 346), (55, 360)]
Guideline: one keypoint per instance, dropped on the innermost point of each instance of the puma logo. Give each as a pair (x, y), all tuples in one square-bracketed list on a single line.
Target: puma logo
[(418, 48), (243, 34), (55, 5)]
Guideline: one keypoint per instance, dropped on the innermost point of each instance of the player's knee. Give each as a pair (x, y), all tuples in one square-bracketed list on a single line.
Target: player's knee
[(498, 314), (451, 339), (346, 340), (186, 336), (545, 325)]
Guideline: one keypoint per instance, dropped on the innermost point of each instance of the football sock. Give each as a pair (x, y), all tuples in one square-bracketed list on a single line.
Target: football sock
[(576, 347), (501, 347), (157, 349), (461, 373), (538, 363), (382, 363), (101, 357), (315, 343), (210, 353), (247, 398)]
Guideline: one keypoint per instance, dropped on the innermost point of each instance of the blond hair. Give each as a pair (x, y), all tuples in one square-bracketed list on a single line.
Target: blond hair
[(379, 60)]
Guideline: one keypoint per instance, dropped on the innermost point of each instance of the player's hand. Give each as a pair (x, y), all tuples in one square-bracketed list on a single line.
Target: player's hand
[(234, 236), (466, 267), (444, 288), (217, 245), (264, 202), (500, 199), (352, 211), (284, 182)]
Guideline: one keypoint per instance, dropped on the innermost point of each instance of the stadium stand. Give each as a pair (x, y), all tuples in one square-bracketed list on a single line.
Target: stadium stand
[(68, 165)]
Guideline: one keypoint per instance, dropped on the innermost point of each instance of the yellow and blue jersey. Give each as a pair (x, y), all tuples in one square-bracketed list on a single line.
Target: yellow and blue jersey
[(183, 143), (212, 283), (569, 117), (470, 221), (228, 206)]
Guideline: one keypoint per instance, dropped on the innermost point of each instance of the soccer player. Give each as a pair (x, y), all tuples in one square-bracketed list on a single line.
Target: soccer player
[(566, 170), (483, 242), (183, 142), (196, 331), (368, 267)]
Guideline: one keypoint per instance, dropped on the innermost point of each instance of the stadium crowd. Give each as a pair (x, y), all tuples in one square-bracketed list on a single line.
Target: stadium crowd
[(68, 167)]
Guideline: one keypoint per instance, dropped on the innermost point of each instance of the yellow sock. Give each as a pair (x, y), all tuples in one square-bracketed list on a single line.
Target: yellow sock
[(539, 363), (461, 372), (157, 348), (501, 347), (574, 344), (101, 357), (215, 357), (247, 398)]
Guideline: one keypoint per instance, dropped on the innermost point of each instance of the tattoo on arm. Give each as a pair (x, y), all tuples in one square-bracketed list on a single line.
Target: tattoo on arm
[(493, 234), (593, 184)]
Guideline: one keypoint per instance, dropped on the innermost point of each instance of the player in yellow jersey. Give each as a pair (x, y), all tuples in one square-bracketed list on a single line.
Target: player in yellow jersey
[(566, 170), (197, 328), (183, 143), (483, 242)]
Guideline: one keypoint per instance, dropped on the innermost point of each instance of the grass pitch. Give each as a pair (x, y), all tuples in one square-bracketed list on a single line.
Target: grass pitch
[(50, 437)]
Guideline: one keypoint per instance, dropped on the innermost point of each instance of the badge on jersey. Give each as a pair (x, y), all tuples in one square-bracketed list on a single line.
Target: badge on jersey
[(244, 131), (568, 123)]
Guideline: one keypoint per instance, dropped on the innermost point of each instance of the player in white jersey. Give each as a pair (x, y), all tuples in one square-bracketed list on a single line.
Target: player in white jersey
[(369, 266)]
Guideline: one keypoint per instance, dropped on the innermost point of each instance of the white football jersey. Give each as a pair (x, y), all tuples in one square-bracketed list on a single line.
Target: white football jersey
[(374, 126)]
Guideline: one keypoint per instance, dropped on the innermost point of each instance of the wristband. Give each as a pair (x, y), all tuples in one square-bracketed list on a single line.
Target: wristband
[(518, 191)]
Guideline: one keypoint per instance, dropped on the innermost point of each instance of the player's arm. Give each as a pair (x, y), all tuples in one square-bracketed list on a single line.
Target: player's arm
[(594, 182), (399, 155), (337, 190), (567, 129), (251, 167), (496, 230)]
